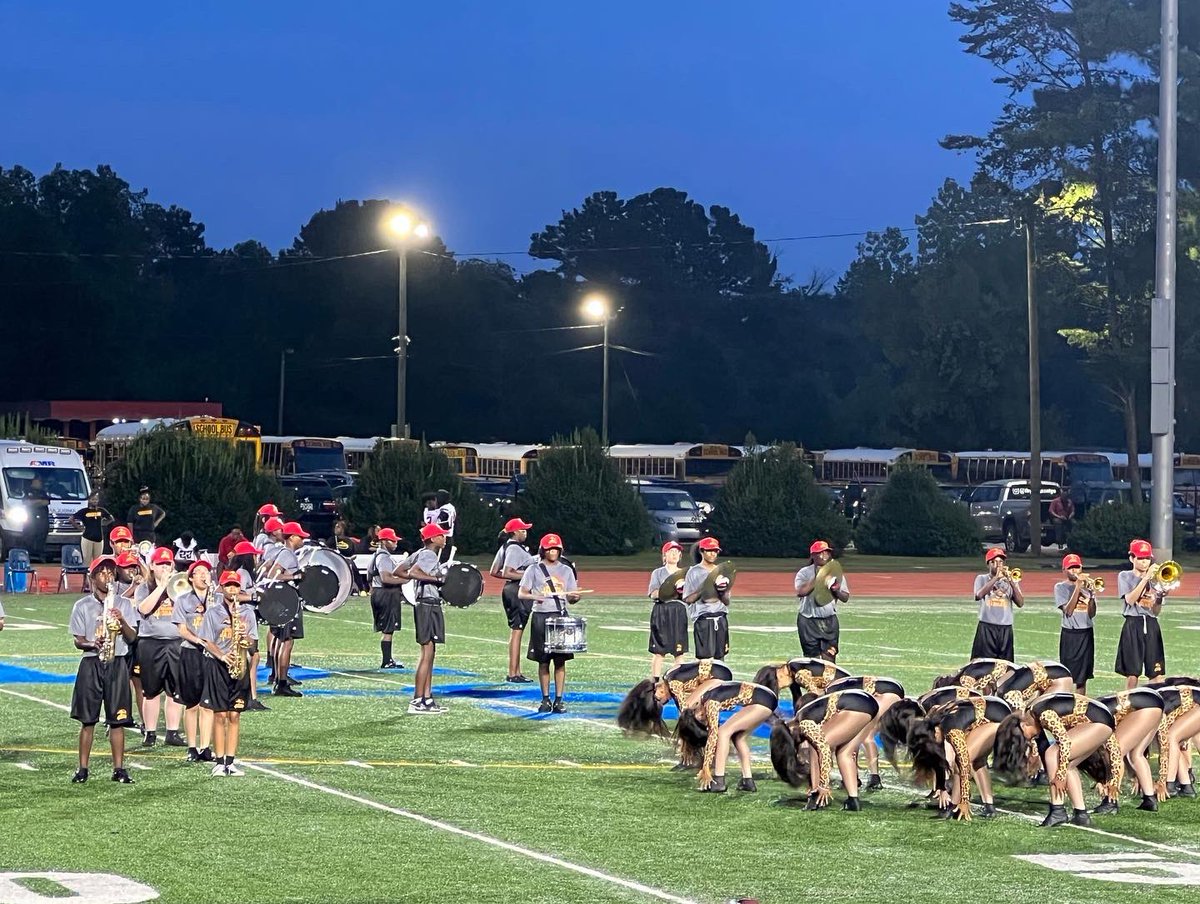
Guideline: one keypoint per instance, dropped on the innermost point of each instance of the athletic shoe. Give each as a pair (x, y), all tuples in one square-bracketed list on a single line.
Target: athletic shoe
[(717, 786), (1172, 789), (193, 755), (284, 690), (1057, 816), (518, 679), (747, 784), (1081, 818), (79, 777), (149, 739), (175, 739), (434, 705), (1107, 805), (683, 767), (1149, 803), (257, 706), (560, 705), (292, 682), (220, 769), (232, 769), (812, 802), (874, 783), (417, 708), (852, 804), (988, 811), (1187, 791), (545, 705), (206, 755), (392, 664), (122, 777)]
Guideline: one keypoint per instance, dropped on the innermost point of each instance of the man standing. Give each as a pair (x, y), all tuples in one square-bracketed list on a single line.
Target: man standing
[(424, 567), (509, 564), (1076, 642), (188, 615), (102, 682), (818, 626), (1140, 648), (708, 603), (93, 520), (550, 584), (266, 513), (157, 653), (387, 578), (226, 545), (145, 517), (996, 594), (1062, 516), (284, 566)]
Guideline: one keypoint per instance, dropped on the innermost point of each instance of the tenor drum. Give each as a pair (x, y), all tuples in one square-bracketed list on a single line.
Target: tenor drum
[(310, 556), (279, 605), (318, 587), (463, 585), (566, 634)]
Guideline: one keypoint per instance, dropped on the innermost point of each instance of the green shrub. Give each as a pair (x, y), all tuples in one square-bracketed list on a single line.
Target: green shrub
[(206, 485), (389, 487), (1107, 529), (577, 491), (772, 506), (910, 516)]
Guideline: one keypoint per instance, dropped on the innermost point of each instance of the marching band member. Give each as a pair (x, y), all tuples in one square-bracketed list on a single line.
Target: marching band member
[(424, 567), (270, 541), (668, 617), (188, 616), (284, 566), (1137, 714), (887, 693), (510, 563), (102, 632), (242, 561), (387, 598), (550, 585), (158, 650), (120, 538), (1140, 649), (1076, 641), (818, 627), (228, 631), (1078, 726), (703, 736), (996, 594), (265, 514), (708, 608), (827, 727)]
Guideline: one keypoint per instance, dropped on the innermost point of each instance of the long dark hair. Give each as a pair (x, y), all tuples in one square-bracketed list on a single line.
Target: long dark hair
[(785, 756), (640, 712), (1010, 757), (768, 677), (245, 560), (1097, 767), (895, 725), (691, 735), (927, 752)]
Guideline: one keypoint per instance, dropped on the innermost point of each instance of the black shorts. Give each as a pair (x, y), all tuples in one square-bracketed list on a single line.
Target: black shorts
[(385, 606), (190, 688), (992, 642), (223, 694), (294, 631), (819, 637), (669, 628), (430, 623), (1140, 649), (537, 641), (96, 685), (1077, 651), (711, 636), (158, 665), (516, 610)]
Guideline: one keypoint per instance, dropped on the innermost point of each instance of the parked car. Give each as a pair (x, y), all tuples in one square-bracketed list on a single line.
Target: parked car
[(1001, 510), (1119, 491), (318, 504), (673, 512)]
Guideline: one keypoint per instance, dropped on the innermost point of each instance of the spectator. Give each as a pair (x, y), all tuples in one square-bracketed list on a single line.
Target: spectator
[(145, 517), (370, 543), (347, 547), (1062, 516), (185, 551), (94, 521), (37, 504), (225, 547)]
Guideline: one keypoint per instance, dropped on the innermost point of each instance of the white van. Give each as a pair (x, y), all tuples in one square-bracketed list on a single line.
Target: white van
[(62, 478)]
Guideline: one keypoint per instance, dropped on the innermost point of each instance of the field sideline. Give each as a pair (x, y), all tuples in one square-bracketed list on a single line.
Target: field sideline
[(349, 799)]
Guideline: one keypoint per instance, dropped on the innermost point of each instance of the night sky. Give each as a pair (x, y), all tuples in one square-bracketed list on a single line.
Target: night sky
[(803, 117)]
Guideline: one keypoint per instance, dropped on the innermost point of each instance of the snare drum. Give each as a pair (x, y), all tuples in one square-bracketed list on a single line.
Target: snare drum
[(566, 634)]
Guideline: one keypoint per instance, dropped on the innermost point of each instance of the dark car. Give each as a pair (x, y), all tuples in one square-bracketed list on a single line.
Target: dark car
[(318, 504)]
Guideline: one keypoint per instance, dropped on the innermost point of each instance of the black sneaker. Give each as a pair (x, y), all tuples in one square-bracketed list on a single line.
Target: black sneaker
[(1172, 789), (852, 804), (1040, 779), (193, 755), (149, 739), (559, 705), (1081, 818), (293, 682), (682, 767), (1057, 816), (1107, 805), (747, 784), (520, 679), (812, 803), (175, 739), (1187, 791), (717, 786), (988, 811), (122, 777), (206, 756), (283, 690), (392, 664), (79, 777), (258, 706), (545, 705), (1149, 803), (874, 783)]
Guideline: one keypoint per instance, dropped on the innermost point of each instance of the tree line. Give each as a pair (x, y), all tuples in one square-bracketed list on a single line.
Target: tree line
[(922, 341)]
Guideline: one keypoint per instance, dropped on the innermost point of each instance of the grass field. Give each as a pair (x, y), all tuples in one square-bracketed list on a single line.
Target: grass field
[(348, 799)]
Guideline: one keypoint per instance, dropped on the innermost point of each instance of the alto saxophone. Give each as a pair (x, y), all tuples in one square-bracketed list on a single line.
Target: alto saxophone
[(109, 628), (241, 643)]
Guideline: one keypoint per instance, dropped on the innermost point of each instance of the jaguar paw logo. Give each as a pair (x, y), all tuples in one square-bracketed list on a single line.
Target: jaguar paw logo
[(137, 670), (122, 715), (1158, 668), (678, 648), (239, 704)]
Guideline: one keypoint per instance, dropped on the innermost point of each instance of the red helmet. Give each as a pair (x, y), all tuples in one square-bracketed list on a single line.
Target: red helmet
[(269, 509), (230, 577), (387, 533), (996, 552)]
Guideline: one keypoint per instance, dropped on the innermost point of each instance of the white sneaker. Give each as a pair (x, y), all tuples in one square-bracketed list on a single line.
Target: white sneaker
[(233, 770), (436, 707), (220, 769), (417, 708)]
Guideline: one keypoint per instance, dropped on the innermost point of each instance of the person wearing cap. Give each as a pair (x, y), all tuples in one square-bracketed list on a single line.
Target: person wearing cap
[(102, 684), (226, 544), (996, 594), (1140, 649), (144, 517), (225, 696), (549, 585), (92, 520), (157, 655), (284, 566), (509, 565), (668, 618), (265, 515), (132, 573), (424, 566), (269, 543), (387, 577), (242, 561), (120, 539), (709, 614), (188, 616), (1076, 640), (818, 626)]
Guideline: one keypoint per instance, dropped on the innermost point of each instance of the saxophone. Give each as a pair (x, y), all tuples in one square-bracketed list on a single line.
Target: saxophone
[(241, 643), (109, 627)]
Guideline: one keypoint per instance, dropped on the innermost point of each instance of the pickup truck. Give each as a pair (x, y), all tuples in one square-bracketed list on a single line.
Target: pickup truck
[(1000, 509)]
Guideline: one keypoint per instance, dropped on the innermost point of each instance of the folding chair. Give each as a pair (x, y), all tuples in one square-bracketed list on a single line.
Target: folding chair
[(72, 563), (18, 564)]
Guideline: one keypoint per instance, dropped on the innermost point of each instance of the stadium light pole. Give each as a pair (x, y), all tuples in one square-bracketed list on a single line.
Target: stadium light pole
[(404, 226), (1162, 309), (283, 353), (596, 307)]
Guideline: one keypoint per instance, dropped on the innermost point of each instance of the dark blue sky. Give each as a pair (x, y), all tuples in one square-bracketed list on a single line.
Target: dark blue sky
[(803, 117)]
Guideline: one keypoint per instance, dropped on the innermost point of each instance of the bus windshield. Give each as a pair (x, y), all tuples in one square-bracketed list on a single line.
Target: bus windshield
[(1090, 472), (56, 483), (308, 458)]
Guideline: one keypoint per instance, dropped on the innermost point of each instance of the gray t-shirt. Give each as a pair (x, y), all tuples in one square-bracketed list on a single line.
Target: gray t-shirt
[(808, 603), (1126, 581), (1, 609), (215, 624), (85, 621), (561, 581), (189, 610), (1062, 595), (284, 558), (512, 555), (426, 560), (381, 561), (692, 582), (159, 624), (997, 607), (657, 576)]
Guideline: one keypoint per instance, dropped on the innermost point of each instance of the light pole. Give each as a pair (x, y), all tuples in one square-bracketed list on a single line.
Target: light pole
[(597, 308), (404, 226), (1035, 386), (283, 353)]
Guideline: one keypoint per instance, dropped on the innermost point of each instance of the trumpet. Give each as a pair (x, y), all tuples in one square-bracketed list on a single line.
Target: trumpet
[(1166, 577), (1011, 574), (1091, 584)]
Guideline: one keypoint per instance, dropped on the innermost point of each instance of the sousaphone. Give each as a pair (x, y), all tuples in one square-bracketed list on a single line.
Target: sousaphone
[(821, 592)]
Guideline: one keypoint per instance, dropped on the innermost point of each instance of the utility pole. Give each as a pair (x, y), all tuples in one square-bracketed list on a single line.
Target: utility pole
[(401, 428), (1035, 383), (283, 353)]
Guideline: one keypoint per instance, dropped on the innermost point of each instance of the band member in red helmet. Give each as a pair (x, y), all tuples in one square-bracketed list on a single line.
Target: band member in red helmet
[(550, 585), (1076, 640), (708, 604), (668, 617), (510, 563), (387, 577), (996, 594), (284, 566), (265, 513), (1140, 649), (817, 625)]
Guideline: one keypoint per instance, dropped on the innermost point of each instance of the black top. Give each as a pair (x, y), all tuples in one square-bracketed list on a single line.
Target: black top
[(345, 545), (1173, 699), (688, 671), (966, 713), (943, 695), (728, 690), (1063, 704), (94, 521), (868, 683), (1027, 675), (805, 670), (846, 701), (141, 520), (1138, 698)]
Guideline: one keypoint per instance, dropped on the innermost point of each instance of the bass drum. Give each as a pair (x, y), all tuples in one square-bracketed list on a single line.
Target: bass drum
[(318, 587), (319, 555), (463, 585), (279, 605)]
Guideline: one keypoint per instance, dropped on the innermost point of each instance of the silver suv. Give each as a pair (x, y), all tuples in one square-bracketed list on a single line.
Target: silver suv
[(1000, 509), (673, 512)]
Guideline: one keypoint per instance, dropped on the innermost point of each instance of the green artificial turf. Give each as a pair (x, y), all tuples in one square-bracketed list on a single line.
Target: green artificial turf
[(572, 787)]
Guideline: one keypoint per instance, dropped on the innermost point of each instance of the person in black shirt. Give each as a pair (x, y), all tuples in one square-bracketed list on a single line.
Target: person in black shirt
[(347, 547), (145, 517), (37, 504), (93, 521)]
